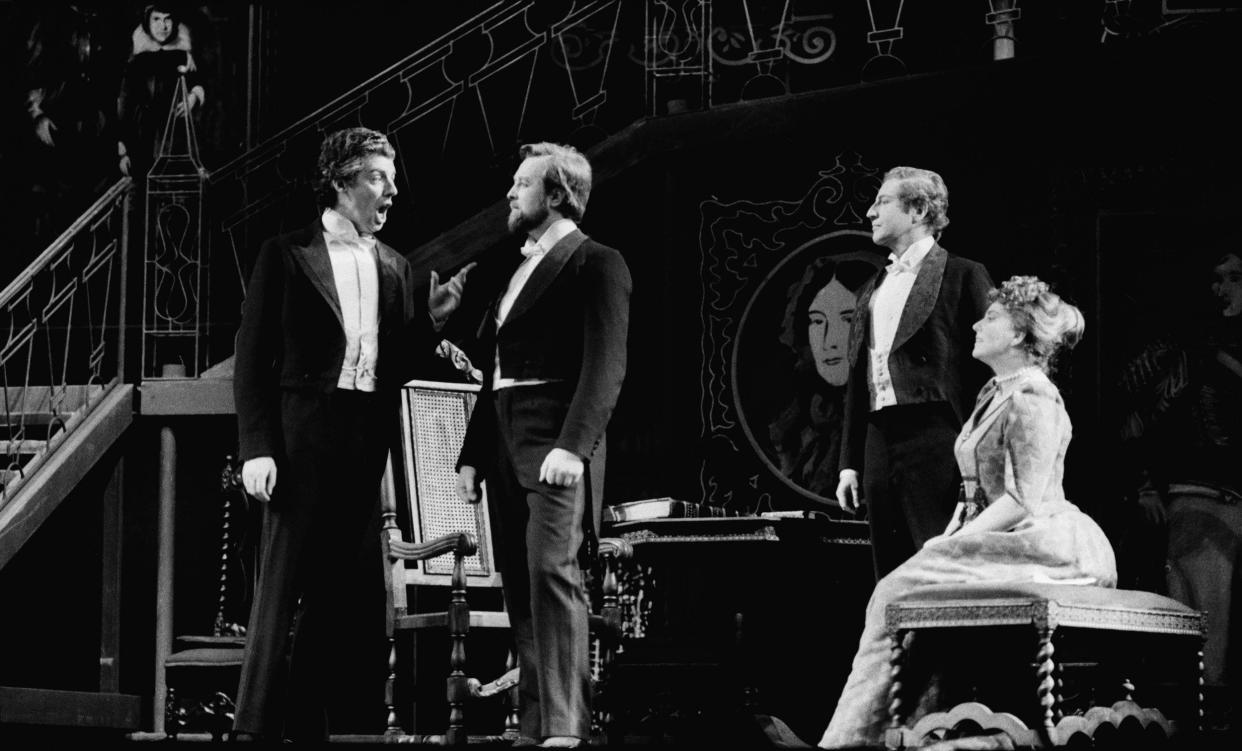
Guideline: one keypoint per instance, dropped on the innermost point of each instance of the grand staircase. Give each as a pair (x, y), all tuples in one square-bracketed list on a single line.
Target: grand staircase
[(66, 404), (66, 399)]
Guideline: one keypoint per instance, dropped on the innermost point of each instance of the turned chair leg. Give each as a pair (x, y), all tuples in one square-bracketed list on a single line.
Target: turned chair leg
[(392, 724), (174, 715), (513, 725)]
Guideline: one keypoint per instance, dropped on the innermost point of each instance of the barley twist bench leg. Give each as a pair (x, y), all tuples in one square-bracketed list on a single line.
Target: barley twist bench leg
[(901, 640), (1045, 673), (1199, 707)]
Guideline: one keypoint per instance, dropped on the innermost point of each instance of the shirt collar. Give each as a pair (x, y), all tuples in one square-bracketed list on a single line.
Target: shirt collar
[(555, 233), (336, 224), (914, 254)]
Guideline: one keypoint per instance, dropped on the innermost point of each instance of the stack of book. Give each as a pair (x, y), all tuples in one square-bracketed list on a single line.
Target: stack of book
[(661, 508)]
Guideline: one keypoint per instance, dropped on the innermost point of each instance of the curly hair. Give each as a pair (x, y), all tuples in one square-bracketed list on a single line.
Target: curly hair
[(566, 171), (341, 157), (923, 190), (1048, 324)]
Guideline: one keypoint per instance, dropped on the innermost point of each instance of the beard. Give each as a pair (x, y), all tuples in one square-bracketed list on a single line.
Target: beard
[(522, 223)]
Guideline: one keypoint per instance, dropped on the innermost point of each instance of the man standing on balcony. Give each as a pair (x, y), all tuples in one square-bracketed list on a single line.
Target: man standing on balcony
[(556, 342), (328, 331), (912, 380)]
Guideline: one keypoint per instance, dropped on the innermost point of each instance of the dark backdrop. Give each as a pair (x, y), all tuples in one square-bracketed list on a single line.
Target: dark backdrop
[(1112, 176)]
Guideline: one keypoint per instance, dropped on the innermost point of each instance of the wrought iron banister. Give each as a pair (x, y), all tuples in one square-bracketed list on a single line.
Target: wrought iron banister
[(432, 51), (456, 109), (13, 289), (63, 323)]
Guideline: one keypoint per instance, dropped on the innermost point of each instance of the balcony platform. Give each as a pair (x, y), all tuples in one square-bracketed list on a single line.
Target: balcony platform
[(186, 396), (209, 394)]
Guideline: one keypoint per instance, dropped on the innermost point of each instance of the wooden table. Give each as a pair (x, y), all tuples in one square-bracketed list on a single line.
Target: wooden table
[(723, 622)]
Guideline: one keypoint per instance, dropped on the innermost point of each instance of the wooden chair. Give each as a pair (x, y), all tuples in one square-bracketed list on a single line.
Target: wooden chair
[(215, 658), (424, 504), (1089, 661)]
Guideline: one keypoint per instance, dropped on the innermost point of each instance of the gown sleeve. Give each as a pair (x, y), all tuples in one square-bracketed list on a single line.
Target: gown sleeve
[(1031, 441)]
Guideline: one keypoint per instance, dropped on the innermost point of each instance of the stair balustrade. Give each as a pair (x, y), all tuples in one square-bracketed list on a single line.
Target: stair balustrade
[(63, 324)]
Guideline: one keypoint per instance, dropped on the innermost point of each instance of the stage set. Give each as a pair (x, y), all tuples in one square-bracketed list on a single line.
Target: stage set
[(737, 147)]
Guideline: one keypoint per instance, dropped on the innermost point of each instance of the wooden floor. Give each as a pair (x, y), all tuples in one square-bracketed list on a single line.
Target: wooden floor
[(15, 737)]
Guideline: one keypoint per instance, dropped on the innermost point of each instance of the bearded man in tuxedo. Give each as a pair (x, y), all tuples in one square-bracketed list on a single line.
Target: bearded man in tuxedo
[(554, 344)]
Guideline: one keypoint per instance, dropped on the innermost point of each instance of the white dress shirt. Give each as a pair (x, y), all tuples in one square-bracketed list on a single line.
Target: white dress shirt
[(356, 274), (534, 252), (887, 305)]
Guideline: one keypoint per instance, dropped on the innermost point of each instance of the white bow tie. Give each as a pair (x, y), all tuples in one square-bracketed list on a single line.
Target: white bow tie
[(532, 248), (898, 267)]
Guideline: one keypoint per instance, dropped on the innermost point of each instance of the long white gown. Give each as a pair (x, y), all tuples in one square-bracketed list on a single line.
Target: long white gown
[(1014, 445)]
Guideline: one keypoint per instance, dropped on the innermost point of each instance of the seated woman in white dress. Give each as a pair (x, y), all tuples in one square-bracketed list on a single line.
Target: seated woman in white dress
[(1014, 523)]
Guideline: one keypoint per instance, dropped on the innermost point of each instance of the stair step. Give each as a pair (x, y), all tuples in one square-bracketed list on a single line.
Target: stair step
[(41, 405), (34, 417), (21, 432), (25, 447)]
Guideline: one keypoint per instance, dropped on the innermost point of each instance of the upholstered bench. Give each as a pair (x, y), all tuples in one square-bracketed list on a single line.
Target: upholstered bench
[(1134, 649)]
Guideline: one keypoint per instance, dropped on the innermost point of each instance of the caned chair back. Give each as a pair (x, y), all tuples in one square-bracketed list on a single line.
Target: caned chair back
[(422, 494), (434, 416)]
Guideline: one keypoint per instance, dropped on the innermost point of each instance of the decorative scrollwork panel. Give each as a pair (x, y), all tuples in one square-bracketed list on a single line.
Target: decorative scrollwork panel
[(779, 281)]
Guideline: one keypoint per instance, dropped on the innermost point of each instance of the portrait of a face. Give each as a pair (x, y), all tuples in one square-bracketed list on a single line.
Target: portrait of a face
[(792, 359), (828, 331)]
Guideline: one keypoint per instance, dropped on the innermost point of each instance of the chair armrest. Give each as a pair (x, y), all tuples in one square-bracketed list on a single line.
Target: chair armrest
[(615, 547), (463, 544), (505, 682)]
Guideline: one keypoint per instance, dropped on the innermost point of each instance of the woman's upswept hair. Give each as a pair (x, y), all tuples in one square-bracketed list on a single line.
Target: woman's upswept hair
[(924, 190), (341, 157), (566, 171), (1048, 324)]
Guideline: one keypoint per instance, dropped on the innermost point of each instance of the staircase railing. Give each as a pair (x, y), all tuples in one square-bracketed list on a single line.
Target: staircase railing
[(63, 323), (456, 110)]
